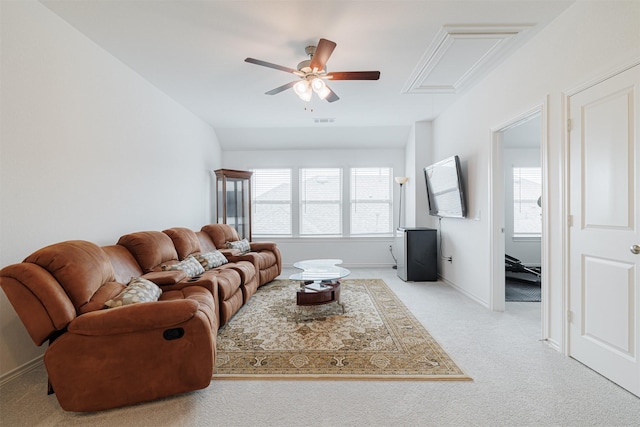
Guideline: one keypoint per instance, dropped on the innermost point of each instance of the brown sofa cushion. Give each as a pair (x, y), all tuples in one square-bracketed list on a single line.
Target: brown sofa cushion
[(184, 240), (125, 267), (124, 264), (80, 267), (265, 259), (206, 244), (150, 248), (220, 234), (106, 292), (42, 304)]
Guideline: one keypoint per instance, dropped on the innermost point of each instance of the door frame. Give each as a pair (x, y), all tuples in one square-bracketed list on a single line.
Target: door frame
[(496, 212)]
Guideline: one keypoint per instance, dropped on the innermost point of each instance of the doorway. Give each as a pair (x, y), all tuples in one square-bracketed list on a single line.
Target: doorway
[(522, 210), (519, 147)]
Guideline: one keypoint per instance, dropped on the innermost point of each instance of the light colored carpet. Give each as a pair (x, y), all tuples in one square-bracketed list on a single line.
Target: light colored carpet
[(374, 337), (518, 381)]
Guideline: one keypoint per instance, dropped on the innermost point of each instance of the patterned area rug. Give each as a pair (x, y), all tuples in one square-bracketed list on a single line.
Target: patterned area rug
[(375, 338)]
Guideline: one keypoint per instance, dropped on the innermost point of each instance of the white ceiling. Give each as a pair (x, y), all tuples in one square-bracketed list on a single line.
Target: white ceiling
[(194, 51)]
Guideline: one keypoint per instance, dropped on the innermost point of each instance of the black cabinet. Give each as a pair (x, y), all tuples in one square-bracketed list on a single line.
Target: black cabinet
[(417, 254)]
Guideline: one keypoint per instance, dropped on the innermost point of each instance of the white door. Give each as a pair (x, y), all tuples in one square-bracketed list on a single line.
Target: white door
[(604, 291)]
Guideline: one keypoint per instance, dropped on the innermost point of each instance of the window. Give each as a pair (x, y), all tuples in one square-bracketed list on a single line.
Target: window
[(271, 202), (527, 189), (308, 202), (321, 201), (370, 200)]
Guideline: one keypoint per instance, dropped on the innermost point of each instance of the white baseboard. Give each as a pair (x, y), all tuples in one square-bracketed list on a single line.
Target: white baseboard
[(464, 292), (553, 344), (21, 370)]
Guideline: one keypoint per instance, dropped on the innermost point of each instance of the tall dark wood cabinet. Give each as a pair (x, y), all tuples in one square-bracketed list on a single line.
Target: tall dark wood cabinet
[(417, 254), (233, 200)]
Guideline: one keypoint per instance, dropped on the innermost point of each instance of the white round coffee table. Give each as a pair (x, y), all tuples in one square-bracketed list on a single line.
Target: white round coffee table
[(319, 281)]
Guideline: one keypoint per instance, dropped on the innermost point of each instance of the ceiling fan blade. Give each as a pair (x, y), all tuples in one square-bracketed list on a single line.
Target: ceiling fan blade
[(270, 65), (332, 97), (281, 88), (354, 75), (323, 52)]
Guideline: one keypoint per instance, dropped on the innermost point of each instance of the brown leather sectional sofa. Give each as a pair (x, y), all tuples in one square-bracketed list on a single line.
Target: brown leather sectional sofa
[(100, 358)]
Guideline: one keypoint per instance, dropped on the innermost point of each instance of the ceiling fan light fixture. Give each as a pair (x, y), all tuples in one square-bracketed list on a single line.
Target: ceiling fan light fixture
[(317, 84), (320, 87), (303, 90)]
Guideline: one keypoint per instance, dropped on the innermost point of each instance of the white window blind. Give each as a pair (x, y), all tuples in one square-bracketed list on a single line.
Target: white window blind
[(371, 203), (527, 189), (271, 202), (320, 201)]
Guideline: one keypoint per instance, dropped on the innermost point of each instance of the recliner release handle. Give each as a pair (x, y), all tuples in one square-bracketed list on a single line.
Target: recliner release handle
[(173, 334)]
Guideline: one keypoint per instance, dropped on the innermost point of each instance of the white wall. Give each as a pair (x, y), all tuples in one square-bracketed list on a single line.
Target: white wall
[(589, 39), (355, 252), (410, 170), (89, 150), (418, 154)]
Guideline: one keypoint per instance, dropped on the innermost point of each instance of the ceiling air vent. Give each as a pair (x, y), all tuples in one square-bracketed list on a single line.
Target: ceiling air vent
[(324, 120)]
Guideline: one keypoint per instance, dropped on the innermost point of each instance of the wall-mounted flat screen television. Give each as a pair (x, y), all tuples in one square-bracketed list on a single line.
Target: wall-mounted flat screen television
[(445, 189)]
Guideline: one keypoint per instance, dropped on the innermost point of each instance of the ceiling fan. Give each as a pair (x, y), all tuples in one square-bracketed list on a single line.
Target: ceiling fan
[(313, 74)]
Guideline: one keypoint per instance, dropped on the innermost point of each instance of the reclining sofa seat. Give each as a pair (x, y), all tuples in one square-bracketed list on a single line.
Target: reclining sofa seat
[(105, 358), (266, 255), (187, 243), (125, 267), (153, 249)]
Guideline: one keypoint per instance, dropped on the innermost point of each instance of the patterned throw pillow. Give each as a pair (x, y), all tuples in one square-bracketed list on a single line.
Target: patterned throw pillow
[(138, 290), (189, 265), (211, 259), (243, 245)]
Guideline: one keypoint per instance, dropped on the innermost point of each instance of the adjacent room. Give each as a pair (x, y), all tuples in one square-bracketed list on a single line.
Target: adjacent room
[(458, 179)]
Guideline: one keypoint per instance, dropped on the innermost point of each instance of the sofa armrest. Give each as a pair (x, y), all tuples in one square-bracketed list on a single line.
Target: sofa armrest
[(134, 318), (162, 278), (230, 252), (251, 257), (263, 246)]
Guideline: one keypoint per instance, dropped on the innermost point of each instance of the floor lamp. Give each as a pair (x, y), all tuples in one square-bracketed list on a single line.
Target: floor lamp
[(401, 180)]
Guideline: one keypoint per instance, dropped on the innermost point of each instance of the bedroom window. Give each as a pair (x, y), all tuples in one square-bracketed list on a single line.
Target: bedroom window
[(527, 214), (320, 201), (271, 202), (371, 203)]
